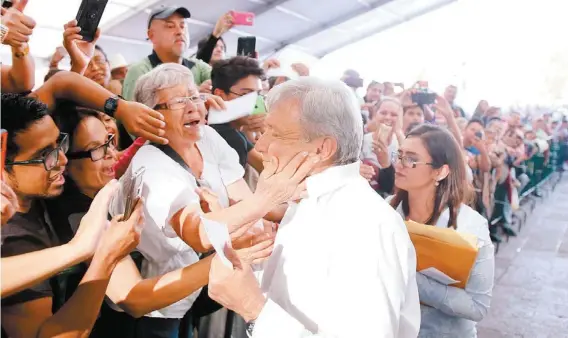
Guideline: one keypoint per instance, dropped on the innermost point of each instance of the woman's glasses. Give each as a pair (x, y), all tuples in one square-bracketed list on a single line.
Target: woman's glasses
[(407, 161), (51, 159), (180, 102), (94, 154)]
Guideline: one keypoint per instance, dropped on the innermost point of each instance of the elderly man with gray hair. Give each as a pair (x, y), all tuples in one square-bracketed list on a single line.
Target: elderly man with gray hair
[(343, 264)]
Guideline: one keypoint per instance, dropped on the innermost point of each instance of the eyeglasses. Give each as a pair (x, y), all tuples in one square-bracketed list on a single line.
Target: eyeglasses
[(180, 102), (51, 160), (407, 162), (259, 92), (96, 154)]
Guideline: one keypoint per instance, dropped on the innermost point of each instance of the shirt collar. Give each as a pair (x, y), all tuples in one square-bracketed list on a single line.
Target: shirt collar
[(331, 179), (155, 61)]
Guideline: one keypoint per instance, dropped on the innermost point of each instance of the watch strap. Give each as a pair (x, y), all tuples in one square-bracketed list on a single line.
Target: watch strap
[(250, 328), (111, 104)]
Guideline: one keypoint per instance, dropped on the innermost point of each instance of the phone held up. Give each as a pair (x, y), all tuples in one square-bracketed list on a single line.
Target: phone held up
[(88, 17), (246, 46), (133, 188), (423, 95), (242, 18)]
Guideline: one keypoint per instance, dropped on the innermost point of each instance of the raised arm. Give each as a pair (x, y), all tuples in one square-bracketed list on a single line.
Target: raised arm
[(77, 317), (136, 117)]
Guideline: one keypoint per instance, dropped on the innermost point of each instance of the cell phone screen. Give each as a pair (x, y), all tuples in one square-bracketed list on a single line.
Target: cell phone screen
[(133, 187), (246, 46)]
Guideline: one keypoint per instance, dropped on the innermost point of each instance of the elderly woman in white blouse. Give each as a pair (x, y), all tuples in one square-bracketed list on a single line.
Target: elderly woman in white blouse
[(196, 157), (431, 189)]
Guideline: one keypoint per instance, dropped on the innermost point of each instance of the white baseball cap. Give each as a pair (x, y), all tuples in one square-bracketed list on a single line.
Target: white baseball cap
[(117, 61)]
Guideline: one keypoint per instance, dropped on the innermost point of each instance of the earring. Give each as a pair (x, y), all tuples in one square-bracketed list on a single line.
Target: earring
[(436, 183)]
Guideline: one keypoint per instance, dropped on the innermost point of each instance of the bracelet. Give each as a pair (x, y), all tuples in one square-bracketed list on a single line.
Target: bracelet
[(3, 32)]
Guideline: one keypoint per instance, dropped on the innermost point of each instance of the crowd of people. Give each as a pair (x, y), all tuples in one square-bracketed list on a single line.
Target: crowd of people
[(313, 191)]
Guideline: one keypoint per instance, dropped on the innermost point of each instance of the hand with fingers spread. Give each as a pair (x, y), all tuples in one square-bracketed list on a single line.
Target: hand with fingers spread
[(142, 121), (19, 26), (236, 289), (122, 236), (256, 244), (223, 25), (94, 223), (79, 51), (9, 203), (280, 183)]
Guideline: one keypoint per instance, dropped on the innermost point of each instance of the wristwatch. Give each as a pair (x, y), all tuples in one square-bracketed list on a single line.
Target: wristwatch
[(250, 328), (111, 104), (3, 32)]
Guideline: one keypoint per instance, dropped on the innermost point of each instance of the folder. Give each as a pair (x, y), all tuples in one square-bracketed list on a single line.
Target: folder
[(451, 252)]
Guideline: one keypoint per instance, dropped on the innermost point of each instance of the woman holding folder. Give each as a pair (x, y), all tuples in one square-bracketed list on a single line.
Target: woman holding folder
[(431, 188)]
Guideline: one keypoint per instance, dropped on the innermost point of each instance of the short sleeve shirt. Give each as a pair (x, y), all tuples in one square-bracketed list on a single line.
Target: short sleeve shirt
[(236, 139), (168, 188), (26, 233)]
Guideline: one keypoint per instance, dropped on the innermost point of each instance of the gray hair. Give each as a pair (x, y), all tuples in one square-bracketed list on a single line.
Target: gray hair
[(327, 108), (164, 76)]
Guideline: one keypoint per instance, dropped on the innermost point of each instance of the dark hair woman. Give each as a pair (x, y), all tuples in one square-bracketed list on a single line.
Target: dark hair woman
[(431, 188)]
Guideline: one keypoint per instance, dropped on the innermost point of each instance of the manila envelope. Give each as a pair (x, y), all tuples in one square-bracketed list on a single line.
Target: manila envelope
[(445, 249)]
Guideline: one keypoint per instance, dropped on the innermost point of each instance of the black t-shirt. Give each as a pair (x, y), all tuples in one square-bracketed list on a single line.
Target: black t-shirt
[(25, 233), (236, 139)]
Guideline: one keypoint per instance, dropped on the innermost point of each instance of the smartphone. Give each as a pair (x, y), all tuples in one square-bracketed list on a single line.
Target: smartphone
[(260, 106), (88, 17), (3, 154), (383, 133), (134, 190), (242, 18), (422, 98), (246, 46)]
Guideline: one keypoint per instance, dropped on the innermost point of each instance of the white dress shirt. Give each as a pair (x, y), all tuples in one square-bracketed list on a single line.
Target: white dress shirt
[(343, 265), (167, 188)]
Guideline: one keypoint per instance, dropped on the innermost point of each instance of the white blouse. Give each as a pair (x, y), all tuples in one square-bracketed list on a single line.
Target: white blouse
[(167, 188)]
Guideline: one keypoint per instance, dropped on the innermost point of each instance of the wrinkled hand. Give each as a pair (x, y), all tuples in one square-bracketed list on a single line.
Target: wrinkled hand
[(250, 123), (122, 236), (367, 171), (256, 245), (94, 222), (208, 200), (142, 121), (205, 87), (223, 25), (9, 203), (214, 101), (236, 289), (283, 182), (19, 26), (271, 63), (301, 69), (79, 51)]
